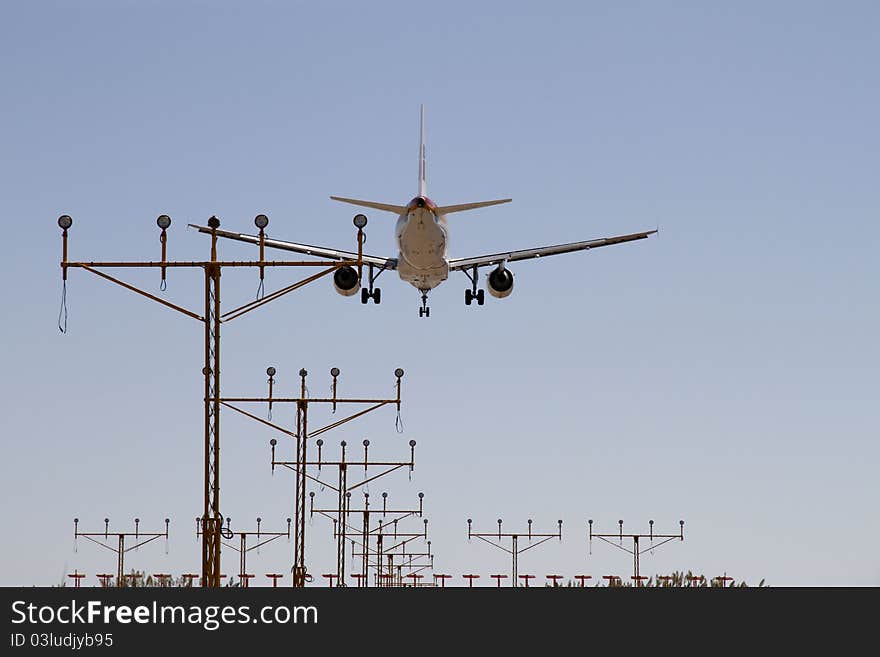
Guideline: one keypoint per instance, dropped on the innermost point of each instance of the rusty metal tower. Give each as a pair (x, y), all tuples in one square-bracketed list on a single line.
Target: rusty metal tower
[(301, 435), (141, 538), (636, 550), (242, 548), (211, 320), (343, 487), (515, 548), (390, 543)]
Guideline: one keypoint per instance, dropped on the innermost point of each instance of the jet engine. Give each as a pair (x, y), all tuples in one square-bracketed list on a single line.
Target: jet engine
[(346, 281), (500, 282)]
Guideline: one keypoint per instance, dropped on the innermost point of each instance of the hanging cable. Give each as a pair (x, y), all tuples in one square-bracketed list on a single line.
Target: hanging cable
[(163, 285), (261, 291), (398, 423), (62, 312)]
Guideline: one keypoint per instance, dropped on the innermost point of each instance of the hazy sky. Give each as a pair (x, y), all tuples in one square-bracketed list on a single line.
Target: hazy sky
[(724, 372)]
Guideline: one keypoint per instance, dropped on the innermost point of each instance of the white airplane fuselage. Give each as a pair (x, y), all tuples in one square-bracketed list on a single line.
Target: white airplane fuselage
[(422, 238)]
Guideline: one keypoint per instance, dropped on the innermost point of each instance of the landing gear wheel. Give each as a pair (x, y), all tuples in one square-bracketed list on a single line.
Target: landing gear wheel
[(377, 296), (468, 297), (481, 298), (365, 295)]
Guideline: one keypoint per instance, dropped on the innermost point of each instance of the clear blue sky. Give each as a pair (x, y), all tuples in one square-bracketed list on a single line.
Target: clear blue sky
[(724, 372)]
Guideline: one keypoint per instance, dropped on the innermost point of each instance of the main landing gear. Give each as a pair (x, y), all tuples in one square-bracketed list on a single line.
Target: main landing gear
[(473, 294), (371, 293), (424, 311)]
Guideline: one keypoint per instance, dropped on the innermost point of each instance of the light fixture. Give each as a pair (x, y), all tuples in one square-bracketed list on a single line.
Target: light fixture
[(64, 221), (360, 220), (164, 221)]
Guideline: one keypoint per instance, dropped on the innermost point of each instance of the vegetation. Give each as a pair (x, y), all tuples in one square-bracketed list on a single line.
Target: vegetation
[(677, 579)]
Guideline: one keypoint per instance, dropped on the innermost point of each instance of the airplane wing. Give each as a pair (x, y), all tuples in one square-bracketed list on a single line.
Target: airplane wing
[(306, 249), (540, 252)]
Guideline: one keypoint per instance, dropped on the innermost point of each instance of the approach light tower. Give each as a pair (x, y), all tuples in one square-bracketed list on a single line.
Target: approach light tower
[(397, 540), (343, 487), (242, 548), (636, 551), (514, 537), (120, 549), (212, 529), (301, 435)]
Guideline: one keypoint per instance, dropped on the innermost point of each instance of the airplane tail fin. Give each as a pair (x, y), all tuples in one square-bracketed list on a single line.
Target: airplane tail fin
[(448, 209), (423, 183), (387, 207), (423, 186)]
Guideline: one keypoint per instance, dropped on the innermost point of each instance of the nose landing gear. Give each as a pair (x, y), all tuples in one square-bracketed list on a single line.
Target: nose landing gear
[(424, 311)]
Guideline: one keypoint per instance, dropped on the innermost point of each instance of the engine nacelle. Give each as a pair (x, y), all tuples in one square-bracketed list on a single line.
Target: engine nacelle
[(500, 282), (346, 281)]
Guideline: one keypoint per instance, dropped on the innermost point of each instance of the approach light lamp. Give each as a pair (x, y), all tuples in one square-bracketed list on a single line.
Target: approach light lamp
[(334, 372), (261, 221), (303, 373), (213, 222), (270, 371), (412, 443), (164, 221), (65, 222), (360, 220), (398, 373)]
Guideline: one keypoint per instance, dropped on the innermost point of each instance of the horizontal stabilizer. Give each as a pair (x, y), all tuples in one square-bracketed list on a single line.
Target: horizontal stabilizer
[(448, 209), (387, 207)]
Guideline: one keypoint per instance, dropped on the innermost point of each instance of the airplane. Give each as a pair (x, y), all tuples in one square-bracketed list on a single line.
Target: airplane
[(422, 235)]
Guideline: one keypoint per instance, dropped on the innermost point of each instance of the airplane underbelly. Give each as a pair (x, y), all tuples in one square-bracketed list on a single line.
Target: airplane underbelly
[(423, 252)]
